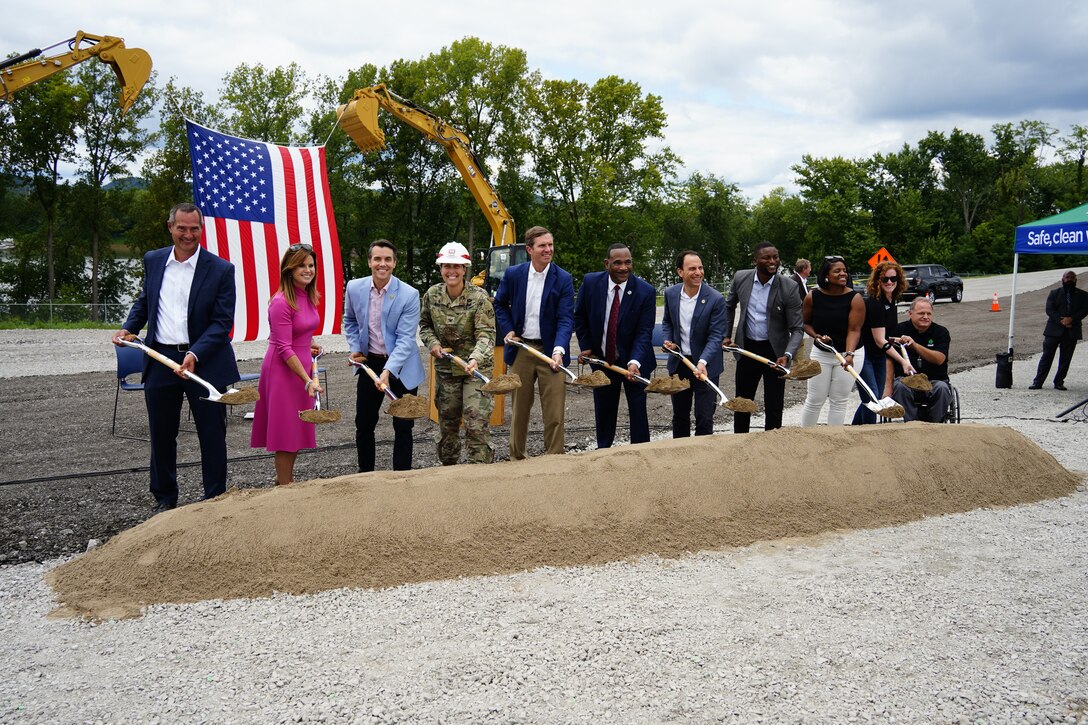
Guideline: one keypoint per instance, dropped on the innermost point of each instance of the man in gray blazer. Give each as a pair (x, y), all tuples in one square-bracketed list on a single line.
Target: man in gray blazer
[(769, 325)]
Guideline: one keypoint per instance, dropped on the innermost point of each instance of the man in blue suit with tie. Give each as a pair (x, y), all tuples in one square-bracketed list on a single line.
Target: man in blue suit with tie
[(535, 302), (614, 320), (381, 319), (187, 303), (694, 321)]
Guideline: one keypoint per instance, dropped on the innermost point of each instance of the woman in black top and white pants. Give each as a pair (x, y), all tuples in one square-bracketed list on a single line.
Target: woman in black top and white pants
[(833, 313)]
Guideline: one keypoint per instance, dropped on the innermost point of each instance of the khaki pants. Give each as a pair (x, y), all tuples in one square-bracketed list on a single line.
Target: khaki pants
[(553, 399)]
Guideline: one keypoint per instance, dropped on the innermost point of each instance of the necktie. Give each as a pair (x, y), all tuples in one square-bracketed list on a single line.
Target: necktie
[(613, 326)]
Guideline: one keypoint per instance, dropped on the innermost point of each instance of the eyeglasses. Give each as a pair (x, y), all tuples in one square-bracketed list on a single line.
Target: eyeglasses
[(893, 278), (296, 247)]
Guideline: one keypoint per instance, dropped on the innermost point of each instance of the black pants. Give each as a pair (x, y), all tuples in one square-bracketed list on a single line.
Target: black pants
[(749, 373), (1064, 346), (606, 406), (163, 394), (368, 406), (706, 402)]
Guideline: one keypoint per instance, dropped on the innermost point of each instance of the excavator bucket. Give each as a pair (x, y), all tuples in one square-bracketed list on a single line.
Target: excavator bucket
[(132, 66), (359, 119)]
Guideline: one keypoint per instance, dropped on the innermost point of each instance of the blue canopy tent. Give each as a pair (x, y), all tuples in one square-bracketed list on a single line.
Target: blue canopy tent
[(1065, 233)]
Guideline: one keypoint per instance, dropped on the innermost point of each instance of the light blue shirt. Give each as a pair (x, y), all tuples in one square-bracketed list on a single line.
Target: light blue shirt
[(756, 324)]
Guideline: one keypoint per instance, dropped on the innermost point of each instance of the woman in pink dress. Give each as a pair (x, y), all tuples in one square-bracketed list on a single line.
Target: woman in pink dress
[(286, 386)]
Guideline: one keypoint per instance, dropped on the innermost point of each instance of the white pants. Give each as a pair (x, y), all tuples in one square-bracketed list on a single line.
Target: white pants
[(833, 382)]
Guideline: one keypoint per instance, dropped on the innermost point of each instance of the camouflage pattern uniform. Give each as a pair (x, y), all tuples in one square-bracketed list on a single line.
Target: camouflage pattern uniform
[(466, 324)]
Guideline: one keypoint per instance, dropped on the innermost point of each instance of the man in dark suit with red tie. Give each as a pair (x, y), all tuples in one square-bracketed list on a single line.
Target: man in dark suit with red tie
[(614, 320)]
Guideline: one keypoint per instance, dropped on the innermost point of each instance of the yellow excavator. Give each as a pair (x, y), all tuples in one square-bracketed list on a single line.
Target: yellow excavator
[(131, 65), (359, 119)]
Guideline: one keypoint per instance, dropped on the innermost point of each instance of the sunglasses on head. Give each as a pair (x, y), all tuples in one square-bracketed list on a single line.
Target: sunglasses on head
[(893, 278), (834, 258), (296, 247)]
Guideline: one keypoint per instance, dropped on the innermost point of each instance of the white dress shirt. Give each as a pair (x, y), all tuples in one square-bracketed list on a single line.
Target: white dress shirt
[(687, 312), (534, 293), (172, 327)]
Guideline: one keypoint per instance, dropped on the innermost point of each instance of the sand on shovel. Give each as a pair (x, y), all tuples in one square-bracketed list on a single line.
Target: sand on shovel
[(740, 405), (667, 385), (505, 383), (918, 381), (804, 369), (408, 406), (595, 379), (668, 498)]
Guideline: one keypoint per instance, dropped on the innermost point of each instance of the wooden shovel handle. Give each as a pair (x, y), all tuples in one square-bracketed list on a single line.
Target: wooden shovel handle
[(532, 350), (373, 376), (684, 359)]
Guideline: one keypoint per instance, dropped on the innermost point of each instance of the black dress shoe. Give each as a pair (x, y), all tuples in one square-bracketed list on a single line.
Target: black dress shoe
[(1033, 386), (1060, 386), (163, 506)]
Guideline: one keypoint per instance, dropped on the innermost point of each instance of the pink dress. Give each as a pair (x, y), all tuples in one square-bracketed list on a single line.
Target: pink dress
[(276, 424)]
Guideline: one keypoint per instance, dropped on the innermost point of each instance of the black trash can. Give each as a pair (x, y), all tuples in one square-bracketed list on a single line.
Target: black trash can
[(1004, 369)]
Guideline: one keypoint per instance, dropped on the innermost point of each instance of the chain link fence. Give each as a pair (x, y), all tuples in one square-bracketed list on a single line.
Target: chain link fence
[(51, 313)]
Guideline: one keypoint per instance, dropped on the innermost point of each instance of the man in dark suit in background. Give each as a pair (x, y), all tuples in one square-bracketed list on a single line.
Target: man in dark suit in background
[(187, 303), (769, 325), (614, 320), (535, 302), (1066, 307), (694, 321), (802, 268)]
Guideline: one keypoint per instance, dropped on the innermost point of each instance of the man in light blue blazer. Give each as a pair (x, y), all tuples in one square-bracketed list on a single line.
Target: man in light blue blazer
[(381, 320), (694, 321), (535, 302)]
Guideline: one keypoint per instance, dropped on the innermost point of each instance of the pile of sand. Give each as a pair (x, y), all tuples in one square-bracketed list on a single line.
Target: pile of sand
[(669, 497)]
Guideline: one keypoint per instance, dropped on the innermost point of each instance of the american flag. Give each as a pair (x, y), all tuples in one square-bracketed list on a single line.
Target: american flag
[(258, 199)]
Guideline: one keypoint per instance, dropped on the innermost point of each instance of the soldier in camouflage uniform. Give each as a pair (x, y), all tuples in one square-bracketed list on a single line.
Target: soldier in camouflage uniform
[(457, 315)]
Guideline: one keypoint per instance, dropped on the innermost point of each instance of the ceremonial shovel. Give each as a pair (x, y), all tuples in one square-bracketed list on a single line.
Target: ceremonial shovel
[(589, 381), (884, 407), (233, 396), (737, 405), (501, 383), (913, 380), (665, 386), (802, 369), (407, 407), (316, 414)]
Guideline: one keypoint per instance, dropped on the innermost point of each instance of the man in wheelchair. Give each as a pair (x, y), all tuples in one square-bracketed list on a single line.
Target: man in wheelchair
[(926, 344)]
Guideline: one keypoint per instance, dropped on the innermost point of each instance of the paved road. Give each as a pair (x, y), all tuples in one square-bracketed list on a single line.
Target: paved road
[(983, 288)]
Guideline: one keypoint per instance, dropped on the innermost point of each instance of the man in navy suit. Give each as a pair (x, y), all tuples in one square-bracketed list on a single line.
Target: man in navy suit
[(535, 302), (187, 303), (381, 319), (614, 320), (694, 321)]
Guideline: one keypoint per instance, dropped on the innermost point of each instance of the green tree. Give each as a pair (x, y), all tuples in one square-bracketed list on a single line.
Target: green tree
[(111, 143), (837, 221), (779, 218), (264, 104), (41, 131)]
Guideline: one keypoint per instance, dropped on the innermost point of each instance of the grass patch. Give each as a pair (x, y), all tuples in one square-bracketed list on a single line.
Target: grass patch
[(12, 323)]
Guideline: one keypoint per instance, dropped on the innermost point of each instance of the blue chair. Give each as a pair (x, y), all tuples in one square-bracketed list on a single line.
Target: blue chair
[(130, 361), (658, 338)]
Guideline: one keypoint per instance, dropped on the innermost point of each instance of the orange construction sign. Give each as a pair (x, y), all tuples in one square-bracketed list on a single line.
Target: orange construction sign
[(882, 256)]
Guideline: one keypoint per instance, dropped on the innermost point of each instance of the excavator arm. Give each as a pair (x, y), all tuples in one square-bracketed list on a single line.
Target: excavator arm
[(359, 119), (131, 65)]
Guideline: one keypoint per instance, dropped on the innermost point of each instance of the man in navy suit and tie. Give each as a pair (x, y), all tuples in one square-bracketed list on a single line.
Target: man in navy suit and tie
[(614, 320), (381, 320), (694, 321), (187, 303), (535, 302)]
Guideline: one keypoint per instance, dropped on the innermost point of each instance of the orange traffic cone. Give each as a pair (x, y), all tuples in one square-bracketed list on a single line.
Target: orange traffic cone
[(994, 306)]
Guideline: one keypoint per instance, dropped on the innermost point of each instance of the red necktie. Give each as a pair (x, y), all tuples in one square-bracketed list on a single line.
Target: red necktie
[(613, 326)]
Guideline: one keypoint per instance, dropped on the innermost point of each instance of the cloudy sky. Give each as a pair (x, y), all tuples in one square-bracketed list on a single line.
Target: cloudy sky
[(749, 86)]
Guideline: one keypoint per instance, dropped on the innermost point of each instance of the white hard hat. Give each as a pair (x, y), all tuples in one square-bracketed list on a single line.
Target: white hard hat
[(453, 253)]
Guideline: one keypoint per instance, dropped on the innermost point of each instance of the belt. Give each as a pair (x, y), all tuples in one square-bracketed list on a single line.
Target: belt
[(531, 341), (171, 347)]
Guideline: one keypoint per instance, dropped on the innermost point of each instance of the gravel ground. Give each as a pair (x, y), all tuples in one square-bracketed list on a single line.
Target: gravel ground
[(975, 617)]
